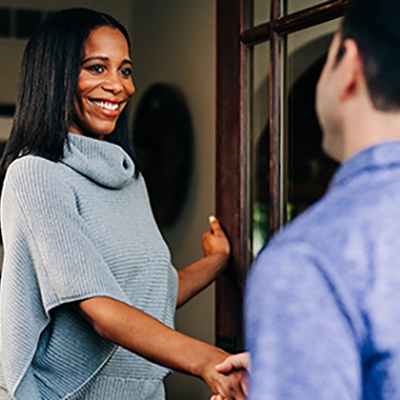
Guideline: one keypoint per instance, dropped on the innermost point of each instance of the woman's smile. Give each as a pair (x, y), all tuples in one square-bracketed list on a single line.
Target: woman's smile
[(107, 107)]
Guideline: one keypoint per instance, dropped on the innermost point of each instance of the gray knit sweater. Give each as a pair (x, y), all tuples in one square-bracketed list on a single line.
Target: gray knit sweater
[(72, 230)]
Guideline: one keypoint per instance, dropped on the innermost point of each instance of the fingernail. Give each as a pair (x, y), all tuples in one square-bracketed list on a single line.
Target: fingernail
[(211, 218)]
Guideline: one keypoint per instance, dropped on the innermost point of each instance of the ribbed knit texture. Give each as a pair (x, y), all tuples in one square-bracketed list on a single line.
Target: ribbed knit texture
[(75, 229)]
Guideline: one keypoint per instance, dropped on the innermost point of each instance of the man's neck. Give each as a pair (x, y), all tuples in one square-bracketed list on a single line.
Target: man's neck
[(370, 129)]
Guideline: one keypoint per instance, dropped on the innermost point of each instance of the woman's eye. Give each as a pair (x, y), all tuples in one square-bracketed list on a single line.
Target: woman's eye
[(96, 68), (126, 71)]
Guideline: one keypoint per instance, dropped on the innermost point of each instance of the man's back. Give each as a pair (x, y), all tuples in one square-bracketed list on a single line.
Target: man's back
[(322, 316)]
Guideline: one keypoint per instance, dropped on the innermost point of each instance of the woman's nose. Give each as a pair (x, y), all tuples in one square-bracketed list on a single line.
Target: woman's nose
[(113, 83)]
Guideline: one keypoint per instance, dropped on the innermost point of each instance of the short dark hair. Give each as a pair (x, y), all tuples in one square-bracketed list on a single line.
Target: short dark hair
[(48, 85), (375, 26)]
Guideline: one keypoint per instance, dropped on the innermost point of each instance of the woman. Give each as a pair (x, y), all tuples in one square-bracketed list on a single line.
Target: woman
[(88, 291)]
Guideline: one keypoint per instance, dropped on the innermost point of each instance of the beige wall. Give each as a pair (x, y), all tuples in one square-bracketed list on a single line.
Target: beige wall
[(174, 42)]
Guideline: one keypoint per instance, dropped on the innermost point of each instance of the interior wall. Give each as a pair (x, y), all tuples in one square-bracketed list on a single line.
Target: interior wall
[(174, 42)]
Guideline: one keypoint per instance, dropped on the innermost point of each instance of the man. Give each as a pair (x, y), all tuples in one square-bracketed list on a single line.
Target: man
[(323, 298)]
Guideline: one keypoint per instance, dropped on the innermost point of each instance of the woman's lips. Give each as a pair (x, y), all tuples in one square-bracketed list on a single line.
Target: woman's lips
[(108, 108)]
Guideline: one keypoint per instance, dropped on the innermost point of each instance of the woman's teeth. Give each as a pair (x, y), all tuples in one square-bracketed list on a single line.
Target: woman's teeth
[(107, 105)]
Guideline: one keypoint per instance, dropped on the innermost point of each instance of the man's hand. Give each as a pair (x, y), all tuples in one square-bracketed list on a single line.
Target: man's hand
[(236, 361)]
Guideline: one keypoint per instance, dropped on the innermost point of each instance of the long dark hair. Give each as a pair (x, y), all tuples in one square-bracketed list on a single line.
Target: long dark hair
[(48, 87)]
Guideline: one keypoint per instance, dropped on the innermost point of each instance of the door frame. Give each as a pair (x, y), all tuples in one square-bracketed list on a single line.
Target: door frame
[(234, 41)]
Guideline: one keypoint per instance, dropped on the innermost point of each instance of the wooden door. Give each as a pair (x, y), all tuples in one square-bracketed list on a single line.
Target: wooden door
[(264, 176)]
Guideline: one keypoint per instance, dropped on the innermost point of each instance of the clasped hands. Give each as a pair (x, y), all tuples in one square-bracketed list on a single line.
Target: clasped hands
[(236, 368)]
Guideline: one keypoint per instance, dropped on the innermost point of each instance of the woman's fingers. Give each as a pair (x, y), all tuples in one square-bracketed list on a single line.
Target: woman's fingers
[(215, 226), (215, 240)]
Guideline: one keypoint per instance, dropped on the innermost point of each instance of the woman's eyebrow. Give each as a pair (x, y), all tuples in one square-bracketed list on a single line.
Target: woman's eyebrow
[(101, 58)]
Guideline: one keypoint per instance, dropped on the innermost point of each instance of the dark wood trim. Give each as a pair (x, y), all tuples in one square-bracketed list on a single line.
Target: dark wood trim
[(256, 35), (275, 136), (294, 22), (311, 17), (231, 164)]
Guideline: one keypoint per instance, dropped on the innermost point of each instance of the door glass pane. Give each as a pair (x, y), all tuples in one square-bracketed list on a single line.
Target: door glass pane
[(259, 151), (298, 5), (309, 169), (261, 12)]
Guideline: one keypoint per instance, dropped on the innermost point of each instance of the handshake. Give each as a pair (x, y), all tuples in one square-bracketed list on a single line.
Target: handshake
[(234, 367)]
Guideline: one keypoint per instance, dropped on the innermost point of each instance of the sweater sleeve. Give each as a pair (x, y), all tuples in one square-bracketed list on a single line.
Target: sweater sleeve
[(41, 209)]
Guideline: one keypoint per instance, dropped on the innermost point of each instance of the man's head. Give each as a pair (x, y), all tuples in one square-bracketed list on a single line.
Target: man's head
[(363, 65)]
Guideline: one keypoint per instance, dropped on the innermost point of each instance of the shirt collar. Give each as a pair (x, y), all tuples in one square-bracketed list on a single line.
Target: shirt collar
[(383, 155)]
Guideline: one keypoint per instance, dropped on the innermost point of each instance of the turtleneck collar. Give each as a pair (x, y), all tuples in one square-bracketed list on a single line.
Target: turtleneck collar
[(105, 163)]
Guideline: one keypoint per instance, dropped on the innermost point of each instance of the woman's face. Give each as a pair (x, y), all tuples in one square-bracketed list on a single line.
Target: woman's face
[(104, 83)]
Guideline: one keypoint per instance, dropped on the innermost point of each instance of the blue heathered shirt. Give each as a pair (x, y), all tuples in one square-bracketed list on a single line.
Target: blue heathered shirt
[(323, 298)]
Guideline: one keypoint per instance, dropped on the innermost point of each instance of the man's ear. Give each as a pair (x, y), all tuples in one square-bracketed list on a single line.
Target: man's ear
[(351, 69)]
